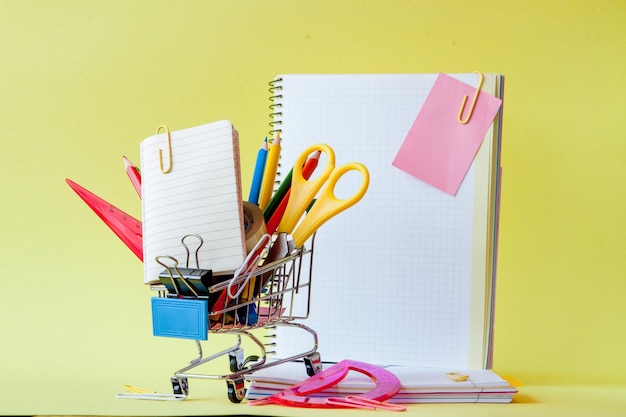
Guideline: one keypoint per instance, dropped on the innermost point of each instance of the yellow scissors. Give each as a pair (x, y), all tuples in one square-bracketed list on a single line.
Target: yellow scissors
[(327, 205)]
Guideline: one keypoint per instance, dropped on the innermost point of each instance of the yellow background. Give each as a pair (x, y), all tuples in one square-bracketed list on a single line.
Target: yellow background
[(83, 82)]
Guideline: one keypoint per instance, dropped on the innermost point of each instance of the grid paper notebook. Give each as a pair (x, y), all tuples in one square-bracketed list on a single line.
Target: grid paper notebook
[(201, 195), (405, 277)]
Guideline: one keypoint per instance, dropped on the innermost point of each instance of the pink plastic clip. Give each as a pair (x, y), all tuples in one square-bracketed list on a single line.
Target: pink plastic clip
[(354, 401)]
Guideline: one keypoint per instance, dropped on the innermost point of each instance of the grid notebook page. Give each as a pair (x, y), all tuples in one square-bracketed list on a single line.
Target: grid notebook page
[(201, 195), (391, 275)]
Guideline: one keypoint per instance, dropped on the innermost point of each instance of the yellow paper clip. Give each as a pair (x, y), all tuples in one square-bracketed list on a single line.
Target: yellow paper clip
[(457, 376), (146, 394), (169, 150), (471, 110), (137, 390)]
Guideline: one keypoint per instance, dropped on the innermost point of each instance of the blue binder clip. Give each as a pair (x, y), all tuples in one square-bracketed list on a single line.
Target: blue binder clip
[(180, 318)]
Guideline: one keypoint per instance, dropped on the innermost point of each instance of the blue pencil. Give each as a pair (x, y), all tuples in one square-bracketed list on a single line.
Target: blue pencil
[(259, 169)]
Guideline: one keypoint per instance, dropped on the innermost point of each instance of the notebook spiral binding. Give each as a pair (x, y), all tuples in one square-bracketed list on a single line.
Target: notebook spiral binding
[(276, 117), (275, 106), (271, 335)]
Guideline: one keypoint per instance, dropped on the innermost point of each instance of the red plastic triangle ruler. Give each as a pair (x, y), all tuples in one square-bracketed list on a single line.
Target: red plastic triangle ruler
[(125, 226)]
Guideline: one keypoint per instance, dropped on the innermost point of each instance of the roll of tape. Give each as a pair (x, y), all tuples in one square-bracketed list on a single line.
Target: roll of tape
[(253, 223)]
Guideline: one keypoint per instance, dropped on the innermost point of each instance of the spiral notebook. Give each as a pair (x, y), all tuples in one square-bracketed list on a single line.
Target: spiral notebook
[(407, 276)]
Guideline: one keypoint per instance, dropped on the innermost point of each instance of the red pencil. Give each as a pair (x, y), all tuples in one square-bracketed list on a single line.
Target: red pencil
[(133, 174), (307, 171)]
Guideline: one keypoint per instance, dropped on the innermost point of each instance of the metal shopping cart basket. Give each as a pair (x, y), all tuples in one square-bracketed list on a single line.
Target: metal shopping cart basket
[(275, 294)]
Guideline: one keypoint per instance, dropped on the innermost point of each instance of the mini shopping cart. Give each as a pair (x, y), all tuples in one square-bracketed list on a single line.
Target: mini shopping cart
[(268, 290), (275, 294)]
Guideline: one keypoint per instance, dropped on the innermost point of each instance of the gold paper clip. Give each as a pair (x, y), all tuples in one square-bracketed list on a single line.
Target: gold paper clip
[(471, 110), (137, 390), (169, 150), (145, 394), (457, 376)]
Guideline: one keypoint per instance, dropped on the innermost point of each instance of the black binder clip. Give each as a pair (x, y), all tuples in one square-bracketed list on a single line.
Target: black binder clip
[(185, 282)]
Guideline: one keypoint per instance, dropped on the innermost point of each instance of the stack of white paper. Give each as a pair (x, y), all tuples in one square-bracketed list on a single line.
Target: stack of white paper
[(419, 385)]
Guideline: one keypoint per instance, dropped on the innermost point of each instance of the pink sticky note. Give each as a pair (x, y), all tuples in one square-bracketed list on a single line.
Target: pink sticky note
[(438, 148)]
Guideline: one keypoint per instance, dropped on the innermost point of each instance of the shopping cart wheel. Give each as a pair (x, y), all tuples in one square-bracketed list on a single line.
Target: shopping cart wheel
[(313, 364), (180, 386), (236, 390), (235, 360)]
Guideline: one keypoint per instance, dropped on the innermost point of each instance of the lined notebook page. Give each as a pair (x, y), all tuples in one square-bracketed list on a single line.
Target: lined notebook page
[(392, 276), (201, 195)]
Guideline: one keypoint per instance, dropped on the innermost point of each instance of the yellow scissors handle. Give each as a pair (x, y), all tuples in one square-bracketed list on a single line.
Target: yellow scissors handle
[(303, 191), (328, 205)]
